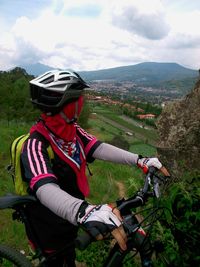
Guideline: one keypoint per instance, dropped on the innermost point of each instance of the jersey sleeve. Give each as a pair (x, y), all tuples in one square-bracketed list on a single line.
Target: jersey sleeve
[(36, 164), (89, 142)]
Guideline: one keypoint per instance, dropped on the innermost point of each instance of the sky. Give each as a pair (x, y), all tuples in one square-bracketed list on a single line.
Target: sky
[(99, 34)]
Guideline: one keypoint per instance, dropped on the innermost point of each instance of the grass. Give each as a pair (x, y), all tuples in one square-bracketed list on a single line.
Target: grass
[(103, 183), (143, 149), (113, 114), (12, 232), (105, 132)]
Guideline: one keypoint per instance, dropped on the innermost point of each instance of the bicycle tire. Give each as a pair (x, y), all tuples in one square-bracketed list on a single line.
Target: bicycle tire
[(9, 257)]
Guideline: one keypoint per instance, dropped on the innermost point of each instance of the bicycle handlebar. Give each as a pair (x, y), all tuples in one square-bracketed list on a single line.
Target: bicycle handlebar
[(139, 199), (142, 195)]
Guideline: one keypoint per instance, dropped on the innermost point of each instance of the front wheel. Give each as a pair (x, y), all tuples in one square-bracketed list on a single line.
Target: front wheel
[(9, 257)]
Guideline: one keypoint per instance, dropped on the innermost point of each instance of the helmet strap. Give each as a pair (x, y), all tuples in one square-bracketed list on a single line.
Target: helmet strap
[(63, 115)]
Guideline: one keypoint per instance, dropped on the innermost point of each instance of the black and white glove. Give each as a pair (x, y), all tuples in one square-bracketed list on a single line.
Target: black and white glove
[(144, 163), (97, 220), (100, 220)]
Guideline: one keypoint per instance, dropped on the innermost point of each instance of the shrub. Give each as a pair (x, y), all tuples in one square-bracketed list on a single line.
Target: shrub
[(120, 142)]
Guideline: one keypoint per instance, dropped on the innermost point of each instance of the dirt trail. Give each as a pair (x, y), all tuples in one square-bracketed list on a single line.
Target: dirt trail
[(121, 189), (122, 193)]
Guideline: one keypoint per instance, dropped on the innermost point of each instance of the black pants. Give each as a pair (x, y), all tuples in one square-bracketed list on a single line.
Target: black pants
[(51, 234), (65, 260)]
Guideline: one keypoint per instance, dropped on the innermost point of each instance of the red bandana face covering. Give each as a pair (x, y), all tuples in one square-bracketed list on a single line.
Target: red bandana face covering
[(58, 131), (58, 125)]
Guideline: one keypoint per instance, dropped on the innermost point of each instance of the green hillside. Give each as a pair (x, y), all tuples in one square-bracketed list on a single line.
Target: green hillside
[(143, 73)]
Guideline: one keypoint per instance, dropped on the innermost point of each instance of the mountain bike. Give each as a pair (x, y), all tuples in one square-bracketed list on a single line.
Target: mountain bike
[(138, 227)]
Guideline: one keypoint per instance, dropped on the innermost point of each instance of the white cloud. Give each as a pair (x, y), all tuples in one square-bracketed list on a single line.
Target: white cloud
[(146, 19), (63, 40), (186, 22), (119, 33)]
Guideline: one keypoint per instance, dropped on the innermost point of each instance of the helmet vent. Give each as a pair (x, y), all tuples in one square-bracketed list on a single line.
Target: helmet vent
[(64, 79), (65, 73), (57, 86), (48, 80)]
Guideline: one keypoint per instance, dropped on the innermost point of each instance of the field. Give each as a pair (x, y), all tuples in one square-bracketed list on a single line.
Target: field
[(108, 183)]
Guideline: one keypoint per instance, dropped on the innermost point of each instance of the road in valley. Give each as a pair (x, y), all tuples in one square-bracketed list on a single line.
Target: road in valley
[(126, 129)]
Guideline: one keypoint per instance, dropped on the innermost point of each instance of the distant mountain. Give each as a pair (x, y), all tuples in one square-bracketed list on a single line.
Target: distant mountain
[(150, 73), (36, 69), (143, 73)]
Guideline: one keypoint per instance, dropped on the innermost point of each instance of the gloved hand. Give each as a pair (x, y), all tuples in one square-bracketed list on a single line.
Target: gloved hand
[(145, 163), (100, 220)]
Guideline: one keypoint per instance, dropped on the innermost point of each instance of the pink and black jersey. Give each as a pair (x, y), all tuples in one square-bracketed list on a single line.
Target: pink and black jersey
[(68, 167)]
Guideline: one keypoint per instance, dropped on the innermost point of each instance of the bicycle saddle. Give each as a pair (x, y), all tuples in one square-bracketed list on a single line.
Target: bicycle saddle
[(11, 201)]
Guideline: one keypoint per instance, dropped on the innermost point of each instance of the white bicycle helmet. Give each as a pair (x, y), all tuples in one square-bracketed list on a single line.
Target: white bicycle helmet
[(53, 89)]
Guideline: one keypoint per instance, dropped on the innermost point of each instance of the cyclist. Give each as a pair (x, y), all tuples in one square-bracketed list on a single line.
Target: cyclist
[(61, 184)]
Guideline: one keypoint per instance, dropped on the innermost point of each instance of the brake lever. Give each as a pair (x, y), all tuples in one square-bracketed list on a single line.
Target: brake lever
[(157, 181), (156, 187), (154, 181)]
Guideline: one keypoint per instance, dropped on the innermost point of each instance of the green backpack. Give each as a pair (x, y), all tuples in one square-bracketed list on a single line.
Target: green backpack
[(15, 164)]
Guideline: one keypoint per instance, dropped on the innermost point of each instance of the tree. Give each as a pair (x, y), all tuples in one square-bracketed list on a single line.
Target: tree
[(83, 120)]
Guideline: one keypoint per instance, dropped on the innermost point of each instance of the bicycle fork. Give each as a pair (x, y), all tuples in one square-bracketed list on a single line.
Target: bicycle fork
[(143, 245), (138, 241)]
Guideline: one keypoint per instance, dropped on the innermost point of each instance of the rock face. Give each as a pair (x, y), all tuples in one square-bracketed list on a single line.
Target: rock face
[(179, 134)]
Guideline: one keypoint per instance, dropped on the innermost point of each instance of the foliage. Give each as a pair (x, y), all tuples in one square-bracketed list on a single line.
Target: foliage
[(179, 221), (185, 205), (83, 119), (179, 228), (120, 141), (15, 100), (14, 96), (182, 86), (137, 106)]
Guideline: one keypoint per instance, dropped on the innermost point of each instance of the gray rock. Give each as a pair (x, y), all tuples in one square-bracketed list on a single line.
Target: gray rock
[(179, 134)]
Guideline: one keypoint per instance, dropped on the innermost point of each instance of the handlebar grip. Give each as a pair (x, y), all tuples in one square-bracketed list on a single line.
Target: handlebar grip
[(156, 189), (83, 240), (148, 178), (152, 169)]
